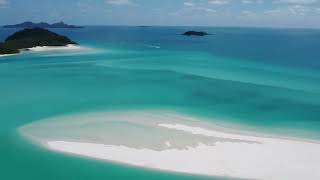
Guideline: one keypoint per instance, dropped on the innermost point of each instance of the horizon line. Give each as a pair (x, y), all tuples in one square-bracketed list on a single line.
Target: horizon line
[(205, 26)]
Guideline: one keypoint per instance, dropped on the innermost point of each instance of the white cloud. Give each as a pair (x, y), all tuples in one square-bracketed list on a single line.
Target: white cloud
[(206, 9), (193, 9), (295, 1), (252, 1), (298, 9), (246, 12), (119, 2), (294, 9), (202, 9), (189, 4), (3, 3), (84, 5), (246, 2), (219, 2), (271, 11)]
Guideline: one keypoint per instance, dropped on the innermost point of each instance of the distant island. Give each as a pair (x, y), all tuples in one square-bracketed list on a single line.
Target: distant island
[(29, 38), (195, 33), (41, 25)]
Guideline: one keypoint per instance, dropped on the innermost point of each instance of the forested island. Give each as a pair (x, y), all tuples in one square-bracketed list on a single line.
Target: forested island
[(28, 38), (195, 33)]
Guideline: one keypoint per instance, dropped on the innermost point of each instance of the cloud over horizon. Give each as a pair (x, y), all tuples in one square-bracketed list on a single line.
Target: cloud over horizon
[(270, 13)]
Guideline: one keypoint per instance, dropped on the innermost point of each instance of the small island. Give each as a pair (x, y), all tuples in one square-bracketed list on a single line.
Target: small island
[(195, 33), (28, 38), (29, 24)]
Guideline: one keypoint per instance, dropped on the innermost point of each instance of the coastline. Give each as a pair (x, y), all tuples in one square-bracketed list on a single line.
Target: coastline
[(6, 55), (205, 151), (45, 49), (54, 48)]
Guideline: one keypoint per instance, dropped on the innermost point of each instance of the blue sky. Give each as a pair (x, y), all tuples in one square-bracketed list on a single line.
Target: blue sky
[(270, 13)]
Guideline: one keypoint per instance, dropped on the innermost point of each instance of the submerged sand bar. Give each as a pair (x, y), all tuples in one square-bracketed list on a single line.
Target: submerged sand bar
[(177, 142)]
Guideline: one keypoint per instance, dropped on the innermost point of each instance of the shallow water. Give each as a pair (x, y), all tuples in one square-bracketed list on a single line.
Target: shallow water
[(257, 79)]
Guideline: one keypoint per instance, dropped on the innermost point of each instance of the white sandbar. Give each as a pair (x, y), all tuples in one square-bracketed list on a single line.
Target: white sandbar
[(217, 152), (54, 48)]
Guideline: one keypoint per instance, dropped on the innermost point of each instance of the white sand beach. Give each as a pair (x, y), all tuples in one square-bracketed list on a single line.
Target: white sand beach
[(55, 48), (68, 48), (6, 55), (180, 143)]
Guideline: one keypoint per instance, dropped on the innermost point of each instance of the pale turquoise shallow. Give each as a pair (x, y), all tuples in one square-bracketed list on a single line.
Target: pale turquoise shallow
[(259, 79)]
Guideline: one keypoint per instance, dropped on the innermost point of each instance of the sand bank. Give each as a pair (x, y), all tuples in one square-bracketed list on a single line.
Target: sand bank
[(180, 143)]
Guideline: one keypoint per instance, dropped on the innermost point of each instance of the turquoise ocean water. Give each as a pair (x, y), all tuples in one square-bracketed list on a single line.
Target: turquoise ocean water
[(264, 80)]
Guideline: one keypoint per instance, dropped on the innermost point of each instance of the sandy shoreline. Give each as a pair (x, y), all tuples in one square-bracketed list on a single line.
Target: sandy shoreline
[(69, 47), (185, 146), (6, 55), (54, 48)]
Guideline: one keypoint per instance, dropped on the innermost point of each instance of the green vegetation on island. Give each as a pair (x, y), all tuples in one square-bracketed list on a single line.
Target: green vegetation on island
[(29, 38), (195, 33)]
